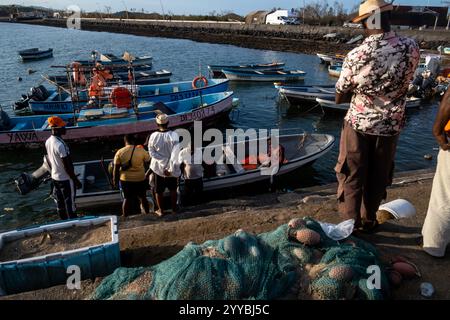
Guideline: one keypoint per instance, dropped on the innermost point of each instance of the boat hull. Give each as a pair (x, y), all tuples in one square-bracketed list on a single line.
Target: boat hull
[(30, 56), (46, 107), (109, 197), (86, 132), (254, 77)]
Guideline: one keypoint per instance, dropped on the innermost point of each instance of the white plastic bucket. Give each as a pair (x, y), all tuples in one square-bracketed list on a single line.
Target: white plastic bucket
[(399, 208)]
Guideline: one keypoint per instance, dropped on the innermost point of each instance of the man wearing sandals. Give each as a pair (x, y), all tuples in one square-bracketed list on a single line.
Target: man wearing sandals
[(374, 79)]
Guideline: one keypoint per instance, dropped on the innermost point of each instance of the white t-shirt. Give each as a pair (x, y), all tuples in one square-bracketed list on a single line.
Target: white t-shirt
[(193, 168), (163, 148), (56, 150)]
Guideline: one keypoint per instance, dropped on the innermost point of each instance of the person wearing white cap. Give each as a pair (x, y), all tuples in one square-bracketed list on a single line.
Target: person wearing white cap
[(436, 228), (162, 147), (374, 79)]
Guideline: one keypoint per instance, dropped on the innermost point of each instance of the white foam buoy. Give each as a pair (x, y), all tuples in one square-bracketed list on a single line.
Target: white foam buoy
[(399, 208)]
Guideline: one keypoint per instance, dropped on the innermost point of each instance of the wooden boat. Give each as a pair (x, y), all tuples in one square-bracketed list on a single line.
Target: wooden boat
[(265, 76), (112, 122), (306, 94), (141, 78), (330, 105), (300, 150), (58, 101), (216, 70), (327, 59), (335, 71), (111, 59), (35, 54)]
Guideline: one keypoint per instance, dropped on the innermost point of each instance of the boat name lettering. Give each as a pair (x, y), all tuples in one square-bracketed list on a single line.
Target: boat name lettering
[(184, 95), (198, 114), (29, 136)]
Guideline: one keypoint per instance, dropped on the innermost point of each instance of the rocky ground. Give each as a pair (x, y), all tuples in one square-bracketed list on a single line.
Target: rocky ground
[(147, 240)]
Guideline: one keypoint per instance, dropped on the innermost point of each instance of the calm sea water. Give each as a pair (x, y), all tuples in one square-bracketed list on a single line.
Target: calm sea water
[(259, 106)]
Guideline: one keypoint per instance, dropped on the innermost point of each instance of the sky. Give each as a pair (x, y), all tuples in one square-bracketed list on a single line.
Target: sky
[(241, 7)]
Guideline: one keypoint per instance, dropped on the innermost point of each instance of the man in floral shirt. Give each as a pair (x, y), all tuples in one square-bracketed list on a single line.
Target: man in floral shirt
[(374, 79)]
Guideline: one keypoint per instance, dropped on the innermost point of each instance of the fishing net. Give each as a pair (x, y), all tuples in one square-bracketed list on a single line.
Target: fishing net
[(302, 260)]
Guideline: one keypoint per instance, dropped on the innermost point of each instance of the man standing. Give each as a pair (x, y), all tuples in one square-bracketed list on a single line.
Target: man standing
[(164, 162), (62, 172), (374, 78)]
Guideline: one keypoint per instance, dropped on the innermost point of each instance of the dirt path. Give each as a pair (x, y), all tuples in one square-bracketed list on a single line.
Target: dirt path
[(145, 240)]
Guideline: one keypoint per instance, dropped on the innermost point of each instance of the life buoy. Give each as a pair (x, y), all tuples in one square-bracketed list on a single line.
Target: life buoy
[(196, 79), (121, 97)]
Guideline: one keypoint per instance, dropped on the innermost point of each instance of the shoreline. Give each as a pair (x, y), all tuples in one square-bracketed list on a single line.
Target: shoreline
[(296, 39), (148, 240)]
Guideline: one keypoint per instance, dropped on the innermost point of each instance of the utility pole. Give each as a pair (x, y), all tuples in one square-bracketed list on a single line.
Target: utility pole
[(162, 8), (126, 9)]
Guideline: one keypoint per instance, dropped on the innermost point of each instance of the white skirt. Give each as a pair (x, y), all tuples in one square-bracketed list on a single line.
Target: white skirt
[(436, 228)]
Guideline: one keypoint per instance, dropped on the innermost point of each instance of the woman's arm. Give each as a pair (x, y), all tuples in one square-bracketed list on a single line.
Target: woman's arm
[(442, 118)]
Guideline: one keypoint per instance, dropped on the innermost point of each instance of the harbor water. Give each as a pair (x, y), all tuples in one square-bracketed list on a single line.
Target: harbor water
[(259, 107)]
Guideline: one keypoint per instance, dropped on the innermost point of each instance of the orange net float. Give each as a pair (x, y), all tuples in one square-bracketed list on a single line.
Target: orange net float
[(121, 97), (197, 79)]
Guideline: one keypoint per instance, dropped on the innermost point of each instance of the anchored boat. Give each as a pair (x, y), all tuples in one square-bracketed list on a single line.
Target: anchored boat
[(306, 94), (216, 70), (300, 150), (59, 101), (411, 102), (265, 76), (35, 54), (113, 122), (334, 70)]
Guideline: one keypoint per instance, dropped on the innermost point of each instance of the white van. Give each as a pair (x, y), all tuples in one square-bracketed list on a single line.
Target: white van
[(282, 17)]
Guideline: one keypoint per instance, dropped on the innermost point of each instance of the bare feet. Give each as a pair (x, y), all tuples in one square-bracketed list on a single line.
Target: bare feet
[(159, 213)]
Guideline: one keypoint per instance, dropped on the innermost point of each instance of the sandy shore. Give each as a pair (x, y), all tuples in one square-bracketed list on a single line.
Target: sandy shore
[(147, 240)]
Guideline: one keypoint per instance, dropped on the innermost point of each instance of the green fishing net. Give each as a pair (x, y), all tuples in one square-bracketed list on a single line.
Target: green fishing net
[(245, 266)]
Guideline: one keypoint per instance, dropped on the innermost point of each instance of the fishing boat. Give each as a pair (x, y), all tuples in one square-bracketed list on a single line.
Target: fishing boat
[(113, 122), (59, 101), (140, 77), (265, 76), (334, 71), (35, 54), (306, 94), (215, 71), (327, 59), (330, 105), (300, 150), (111, 59)]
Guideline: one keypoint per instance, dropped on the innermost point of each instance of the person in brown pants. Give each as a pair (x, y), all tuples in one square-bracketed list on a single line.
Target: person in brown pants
[(374, 79)]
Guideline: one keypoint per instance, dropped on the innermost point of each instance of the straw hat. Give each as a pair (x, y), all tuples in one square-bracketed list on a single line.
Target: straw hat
[(162, 118), (56, 122), (369, 7)]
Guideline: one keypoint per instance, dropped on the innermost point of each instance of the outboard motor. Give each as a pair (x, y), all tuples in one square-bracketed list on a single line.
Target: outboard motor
[(39, 93), (5, 121), (26, 182)]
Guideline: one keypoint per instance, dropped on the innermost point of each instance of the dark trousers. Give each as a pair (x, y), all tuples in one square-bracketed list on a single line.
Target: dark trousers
[(364, 170), (64, 195), (193, 189)]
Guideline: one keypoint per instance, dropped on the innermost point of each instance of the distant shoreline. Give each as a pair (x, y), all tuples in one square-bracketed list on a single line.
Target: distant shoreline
[(297, 39)]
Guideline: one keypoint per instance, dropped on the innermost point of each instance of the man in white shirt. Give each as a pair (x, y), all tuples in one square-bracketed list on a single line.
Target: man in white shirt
[(192, 169), (164, 165), (62, 172)]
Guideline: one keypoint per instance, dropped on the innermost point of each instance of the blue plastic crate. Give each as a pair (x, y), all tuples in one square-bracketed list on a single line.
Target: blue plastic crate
[(50, 270)]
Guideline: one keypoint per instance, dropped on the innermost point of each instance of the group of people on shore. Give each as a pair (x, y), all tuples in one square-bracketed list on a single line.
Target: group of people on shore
[(374, 79)]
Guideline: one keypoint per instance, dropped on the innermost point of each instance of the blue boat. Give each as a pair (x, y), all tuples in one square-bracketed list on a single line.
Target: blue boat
[(111, 59), (335, 71), (58, 101), (113, 122)]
